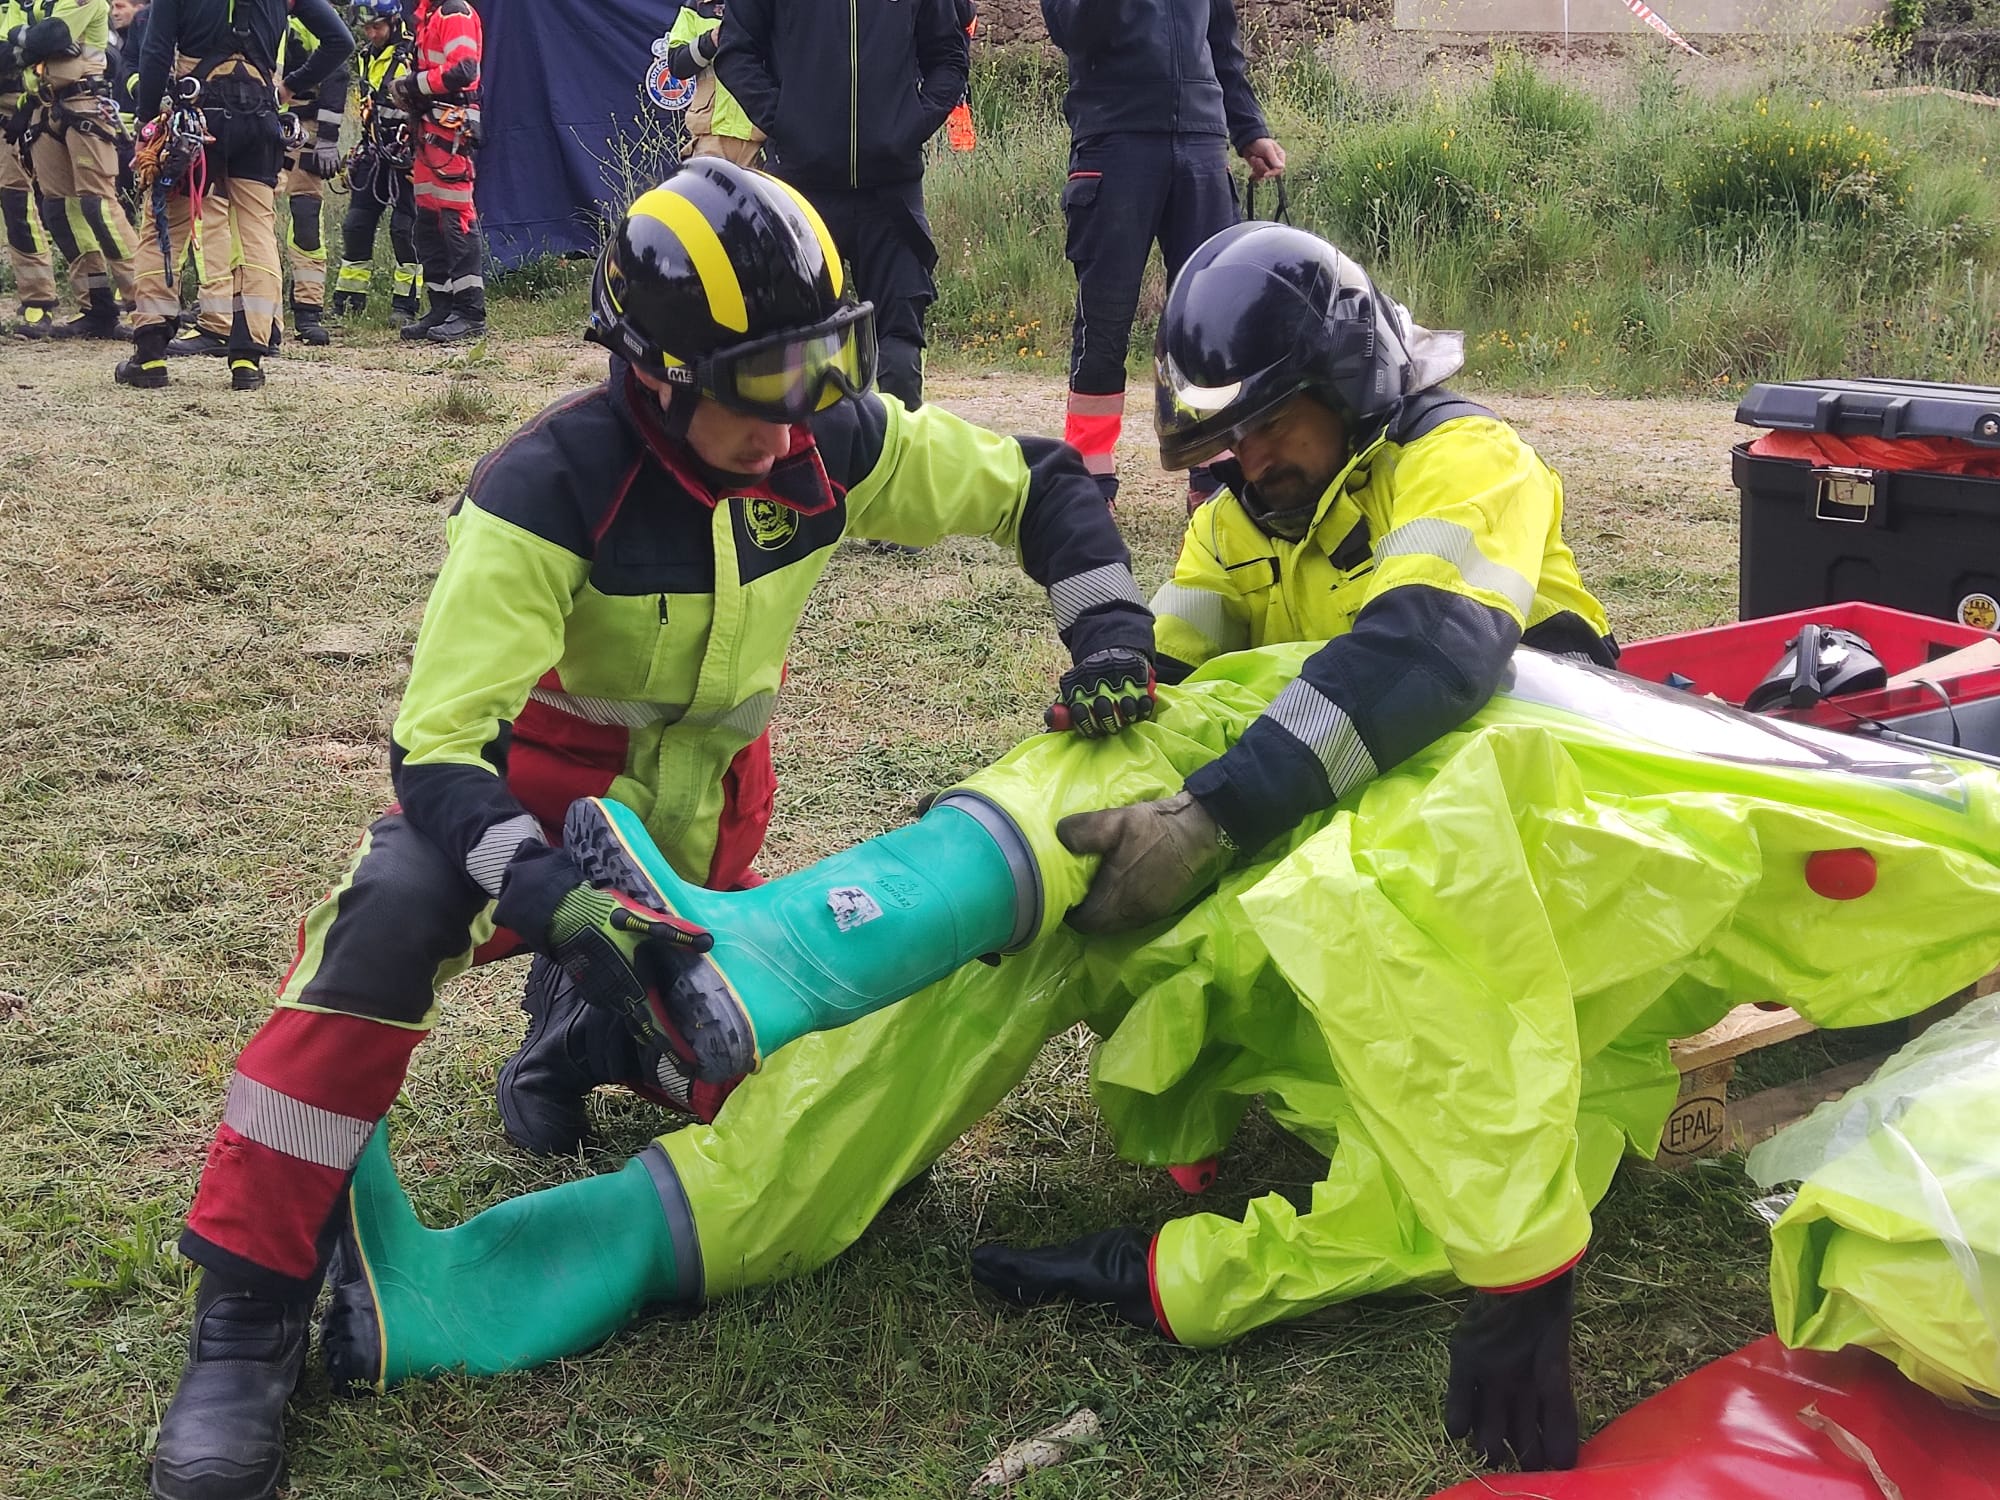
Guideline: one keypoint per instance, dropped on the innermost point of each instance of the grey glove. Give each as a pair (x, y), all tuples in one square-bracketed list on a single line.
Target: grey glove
[(1158, 856), (322, 160)]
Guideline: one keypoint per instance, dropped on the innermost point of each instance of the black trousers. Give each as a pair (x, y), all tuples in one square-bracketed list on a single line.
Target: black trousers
[(883, 235), (1125, 192), (448, 245), (374, 187)]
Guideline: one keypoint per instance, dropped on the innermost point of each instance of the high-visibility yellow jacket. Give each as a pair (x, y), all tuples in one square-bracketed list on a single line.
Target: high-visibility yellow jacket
[(1434, 552), (608, 623)]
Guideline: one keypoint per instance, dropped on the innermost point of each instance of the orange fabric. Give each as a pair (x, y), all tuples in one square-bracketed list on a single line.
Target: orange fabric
[(958, 129), (1091, 435), (1933, 455)]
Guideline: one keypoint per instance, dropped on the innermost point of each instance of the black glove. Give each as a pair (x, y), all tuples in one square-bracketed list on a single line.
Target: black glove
[(1109, 1268), (321, 160), (613, 947), (405, 92), (48, 40), (1510, 1385), (1158, 856), (1103, 693)]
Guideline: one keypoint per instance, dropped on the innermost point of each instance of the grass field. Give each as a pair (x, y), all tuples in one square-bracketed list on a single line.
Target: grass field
[(207, 606)]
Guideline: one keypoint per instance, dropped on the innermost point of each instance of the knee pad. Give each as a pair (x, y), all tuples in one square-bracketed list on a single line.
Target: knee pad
[(21, 234), (104, 226), (55, 218), (305, 225)]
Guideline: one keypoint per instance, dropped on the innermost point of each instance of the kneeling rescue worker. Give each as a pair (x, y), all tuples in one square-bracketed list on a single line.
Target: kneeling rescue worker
[(1417, 534), (624, 580)]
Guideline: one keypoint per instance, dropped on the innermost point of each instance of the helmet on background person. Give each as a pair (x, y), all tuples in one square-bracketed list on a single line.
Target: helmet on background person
[(366, 11), (723, 282), (1263, 312)]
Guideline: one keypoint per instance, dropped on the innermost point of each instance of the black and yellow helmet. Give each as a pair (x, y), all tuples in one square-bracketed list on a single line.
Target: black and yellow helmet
[(724, 281)]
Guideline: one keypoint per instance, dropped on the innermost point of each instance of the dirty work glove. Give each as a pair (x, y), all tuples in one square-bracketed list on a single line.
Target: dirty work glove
[(407, 94), (1509, 1386), (1103, 693), (1108, 1268), (612, 946), (1158, 856), (321, 161)]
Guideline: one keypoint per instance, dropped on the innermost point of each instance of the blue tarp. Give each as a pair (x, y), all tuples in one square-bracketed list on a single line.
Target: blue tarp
[(563, 81)]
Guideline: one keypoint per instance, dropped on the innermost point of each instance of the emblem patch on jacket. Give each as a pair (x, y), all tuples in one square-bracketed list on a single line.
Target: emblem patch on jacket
[(771, 525)]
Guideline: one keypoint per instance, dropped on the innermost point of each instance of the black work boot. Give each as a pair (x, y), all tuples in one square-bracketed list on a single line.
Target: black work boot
[(402, 311), (347, 305), (442, 306), (306, 318), (246, 372), (197, 341), (571, 1048), (147, 368), (98, 320), (460, 328), (223, 1437)]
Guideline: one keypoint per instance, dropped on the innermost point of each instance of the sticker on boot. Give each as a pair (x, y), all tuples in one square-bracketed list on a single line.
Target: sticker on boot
[(851, 907)]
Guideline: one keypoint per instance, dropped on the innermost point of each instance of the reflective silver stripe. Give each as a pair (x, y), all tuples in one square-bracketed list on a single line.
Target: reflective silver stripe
[(330, 116), (750, 717), (1322, 726), (1455, 544), (608, 710), (1070, 597), (490, 856), (1204, 611), (259, 1113), (1100, 463), (462, 284)]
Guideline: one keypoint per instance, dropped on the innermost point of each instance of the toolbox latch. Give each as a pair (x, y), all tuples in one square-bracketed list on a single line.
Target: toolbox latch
[(1842, 494)]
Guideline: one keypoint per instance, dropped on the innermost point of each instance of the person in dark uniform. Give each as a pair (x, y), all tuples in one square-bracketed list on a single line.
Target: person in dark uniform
[(1157, 95), (847, 96)]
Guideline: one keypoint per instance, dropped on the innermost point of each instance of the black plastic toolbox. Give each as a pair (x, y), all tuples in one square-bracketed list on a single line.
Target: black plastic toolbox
[(1823, 534)]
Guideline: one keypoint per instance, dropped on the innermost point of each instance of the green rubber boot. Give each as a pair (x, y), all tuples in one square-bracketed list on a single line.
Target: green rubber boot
[(533, 1279), (832, 943)]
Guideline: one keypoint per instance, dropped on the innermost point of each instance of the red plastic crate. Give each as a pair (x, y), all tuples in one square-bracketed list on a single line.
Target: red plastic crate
[(1730, 660)]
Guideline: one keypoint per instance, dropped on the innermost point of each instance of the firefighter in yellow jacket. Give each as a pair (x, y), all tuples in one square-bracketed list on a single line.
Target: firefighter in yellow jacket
[(1415, 533)]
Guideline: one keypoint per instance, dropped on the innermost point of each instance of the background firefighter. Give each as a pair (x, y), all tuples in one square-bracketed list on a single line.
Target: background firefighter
[(715, 122), (76, 133), (320, 115), (27, 250), (230, 49), (1157, 93), (378, 174), (441, 93)]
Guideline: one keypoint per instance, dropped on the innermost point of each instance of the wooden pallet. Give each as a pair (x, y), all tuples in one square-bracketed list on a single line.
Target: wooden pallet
[(1706, 1121)]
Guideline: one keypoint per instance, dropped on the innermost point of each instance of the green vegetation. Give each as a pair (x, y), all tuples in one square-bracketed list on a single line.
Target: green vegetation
[(1668, 242)]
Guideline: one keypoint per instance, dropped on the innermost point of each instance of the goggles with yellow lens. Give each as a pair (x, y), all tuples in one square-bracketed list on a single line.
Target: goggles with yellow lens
[(786, 377)]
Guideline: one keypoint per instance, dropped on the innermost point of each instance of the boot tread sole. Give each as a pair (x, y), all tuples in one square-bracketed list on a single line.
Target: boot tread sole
[(708, 1016)]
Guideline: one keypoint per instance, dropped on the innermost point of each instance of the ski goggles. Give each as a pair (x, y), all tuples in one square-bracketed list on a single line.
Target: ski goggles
[(782, 377)]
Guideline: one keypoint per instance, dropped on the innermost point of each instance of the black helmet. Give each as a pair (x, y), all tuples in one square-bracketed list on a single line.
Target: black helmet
[(724, 281), (1263, 311)]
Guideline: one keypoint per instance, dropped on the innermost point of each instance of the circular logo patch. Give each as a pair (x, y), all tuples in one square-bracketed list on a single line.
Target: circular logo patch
[(666, 90), (771, 525), (1980, 611)]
